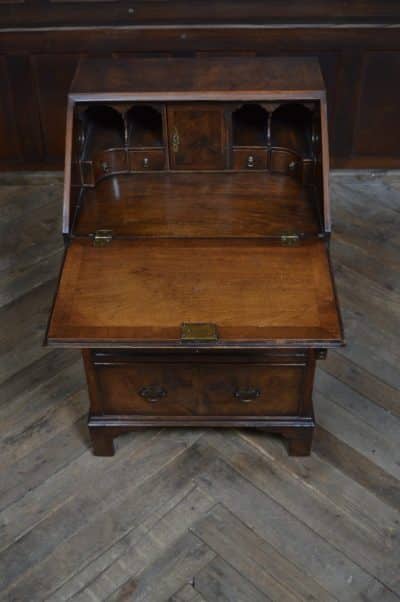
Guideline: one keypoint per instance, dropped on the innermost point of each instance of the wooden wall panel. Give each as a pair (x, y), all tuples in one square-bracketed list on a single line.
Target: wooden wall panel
[(69, 13), (54, 74), (377, 128), (9, 139), (346, 102), (27, 116)]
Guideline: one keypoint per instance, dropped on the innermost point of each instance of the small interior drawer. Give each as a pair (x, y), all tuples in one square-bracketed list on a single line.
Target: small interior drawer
[(285, 162), (146, 160), (188, 388), (250, 158), (108, 162)]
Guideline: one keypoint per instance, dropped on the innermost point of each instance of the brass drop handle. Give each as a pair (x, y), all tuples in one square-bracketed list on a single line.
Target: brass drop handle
[(152, 393), (247, 394), (175, 140)]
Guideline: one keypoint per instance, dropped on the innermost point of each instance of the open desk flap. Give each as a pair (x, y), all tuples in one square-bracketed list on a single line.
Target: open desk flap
[(139, 293)]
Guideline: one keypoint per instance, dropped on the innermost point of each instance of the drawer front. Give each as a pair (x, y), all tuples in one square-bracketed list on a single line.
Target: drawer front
[(108, 162), (252, 390), (250, 158), (147, 389), (146, 160), (185, 389), (285, 162)]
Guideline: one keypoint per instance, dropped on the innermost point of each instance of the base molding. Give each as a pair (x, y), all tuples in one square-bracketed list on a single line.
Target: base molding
[(298, 431)]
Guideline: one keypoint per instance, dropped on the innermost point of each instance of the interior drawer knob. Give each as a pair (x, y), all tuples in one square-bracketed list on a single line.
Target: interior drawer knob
[(152, 393), (248, 394), (146, 162), (250, 161), (175, 140)]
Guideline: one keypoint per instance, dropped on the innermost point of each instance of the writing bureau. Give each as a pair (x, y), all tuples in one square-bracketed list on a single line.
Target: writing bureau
[(196, 277)]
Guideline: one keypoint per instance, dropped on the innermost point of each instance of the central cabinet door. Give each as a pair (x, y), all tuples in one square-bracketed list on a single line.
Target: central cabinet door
[(196, 136)]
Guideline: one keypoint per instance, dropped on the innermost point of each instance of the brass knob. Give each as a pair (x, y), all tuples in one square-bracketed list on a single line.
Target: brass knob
[(292, 165), (250, 161), (152, 393), (146, 162), (81, 138), (105, 166), (247, 394)]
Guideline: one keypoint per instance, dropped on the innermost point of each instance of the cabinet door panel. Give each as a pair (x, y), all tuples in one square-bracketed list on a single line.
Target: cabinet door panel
[(196, 137)]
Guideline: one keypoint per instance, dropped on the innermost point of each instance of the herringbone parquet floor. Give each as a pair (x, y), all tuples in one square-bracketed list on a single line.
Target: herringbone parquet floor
[(201, 515)]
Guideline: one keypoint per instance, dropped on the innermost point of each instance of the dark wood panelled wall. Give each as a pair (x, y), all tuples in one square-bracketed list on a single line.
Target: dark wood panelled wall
[(358, 45)]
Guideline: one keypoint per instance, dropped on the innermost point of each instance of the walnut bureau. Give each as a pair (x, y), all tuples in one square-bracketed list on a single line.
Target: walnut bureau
[(196, 277)]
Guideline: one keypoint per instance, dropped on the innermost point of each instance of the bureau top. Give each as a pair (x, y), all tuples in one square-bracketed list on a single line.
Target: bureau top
[(219, 78)]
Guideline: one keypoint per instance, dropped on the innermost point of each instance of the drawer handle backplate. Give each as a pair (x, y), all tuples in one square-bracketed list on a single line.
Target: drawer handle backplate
[(152, 393), (247, 395)]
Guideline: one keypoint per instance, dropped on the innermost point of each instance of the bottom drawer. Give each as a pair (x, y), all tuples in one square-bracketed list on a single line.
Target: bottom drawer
[(148, 389), (251, 390), (190, 389)]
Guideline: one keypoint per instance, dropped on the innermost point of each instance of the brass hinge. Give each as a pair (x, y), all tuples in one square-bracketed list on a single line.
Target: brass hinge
[(288, 238), (199, 332), (101, 238)]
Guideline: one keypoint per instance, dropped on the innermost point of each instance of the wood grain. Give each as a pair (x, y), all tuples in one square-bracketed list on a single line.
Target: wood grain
[(149, 288), (209, 77), (197, 205)]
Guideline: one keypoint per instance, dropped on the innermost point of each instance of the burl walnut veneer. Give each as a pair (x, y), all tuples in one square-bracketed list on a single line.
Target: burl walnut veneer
[(196, 277)]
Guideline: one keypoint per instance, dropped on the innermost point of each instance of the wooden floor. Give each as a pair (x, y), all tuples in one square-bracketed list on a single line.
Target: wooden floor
[(201, 515)]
